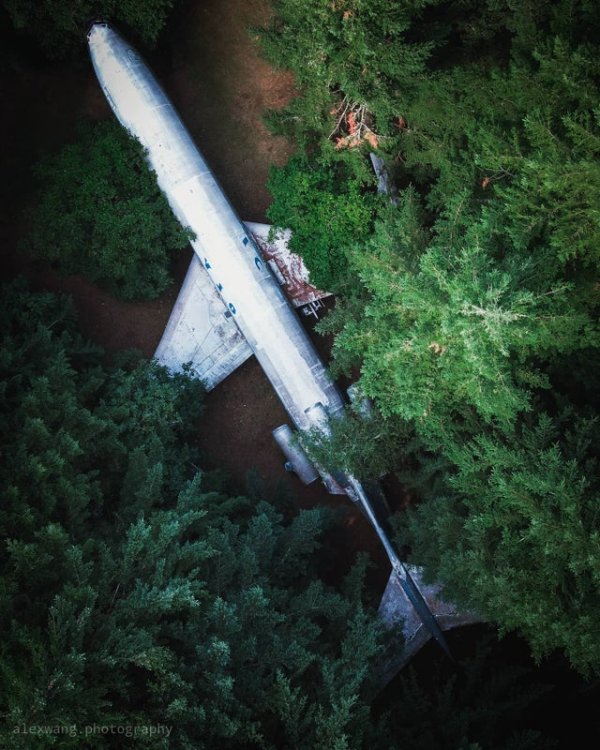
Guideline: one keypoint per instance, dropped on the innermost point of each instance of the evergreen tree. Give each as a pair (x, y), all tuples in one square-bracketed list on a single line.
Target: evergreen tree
[(470, 303), (101, 213), (131, 595), (60, 27), (348, 51)]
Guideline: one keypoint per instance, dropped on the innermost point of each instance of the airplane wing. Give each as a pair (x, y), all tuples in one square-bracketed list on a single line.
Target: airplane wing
[(288, 268), (201, 331)]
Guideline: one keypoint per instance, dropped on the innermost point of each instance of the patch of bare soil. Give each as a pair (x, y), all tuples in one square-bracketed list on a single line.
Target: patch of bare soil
[(222, 87), (112, 323)]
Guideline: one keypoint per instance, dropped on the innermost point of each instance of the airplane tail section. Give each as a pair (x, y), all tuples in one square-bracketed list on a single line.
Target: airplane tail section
[(420, 611)]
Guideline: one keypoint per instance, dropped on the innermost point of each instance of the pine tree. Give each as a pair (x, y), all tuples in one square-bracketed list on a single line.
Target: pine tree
[(470, 303), (516, 533), (60, 27), (101, 213), (133, 596)]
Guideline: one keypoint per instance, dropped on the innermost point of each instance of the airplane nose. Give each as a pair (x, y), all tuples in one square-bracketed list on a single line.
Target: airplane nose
[(94, 26)]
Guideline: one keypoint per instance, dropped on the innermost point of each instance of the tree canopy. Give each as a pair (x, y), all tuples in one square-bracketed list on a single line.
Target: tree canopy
[(135, 593), (134, 590), (100, 212), (468, 297), (60, 27)]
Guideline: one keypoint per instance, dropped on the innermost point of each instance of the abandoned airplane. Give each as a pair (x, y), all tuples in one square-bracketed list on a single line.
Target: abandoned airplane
[(231, 305)]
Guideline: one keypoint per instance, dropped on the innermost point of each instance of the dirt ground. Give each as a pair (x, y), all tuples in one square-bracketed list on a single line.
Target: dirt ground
[(221, 86), (210, 65)]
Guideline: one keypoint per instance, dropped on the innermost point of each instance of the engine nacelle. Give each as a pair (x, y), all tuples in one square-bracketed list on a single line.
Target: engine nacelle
[(297, 458)]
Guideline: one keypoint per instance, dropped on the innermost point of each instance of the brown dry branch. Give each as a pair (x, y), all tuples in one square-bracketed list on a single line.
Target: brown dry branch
[(351, 128)]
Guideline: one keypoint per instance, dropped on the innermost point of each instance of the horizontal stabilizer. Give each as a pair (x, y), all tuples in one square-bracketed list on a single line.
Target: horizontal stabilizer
[(396, 609), (201, 332)]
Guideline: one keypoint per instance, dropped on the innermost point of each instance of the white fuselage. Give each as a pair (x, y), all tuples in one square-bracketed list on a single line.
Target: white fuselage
[(225, 248)]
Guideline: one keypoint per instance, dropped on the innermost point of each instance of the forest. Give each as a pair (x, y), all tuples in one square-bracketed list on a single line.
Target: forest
[(468, 304), (141, 588)]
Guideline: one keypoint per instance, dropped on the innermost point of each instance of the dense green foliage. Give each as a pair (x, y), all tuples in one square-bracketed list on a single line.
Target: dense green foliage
[(60, 27), (517, 524), (360, 440), (308, 199), (477, 707), (133, 596), (470, 303), (99, 212)]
